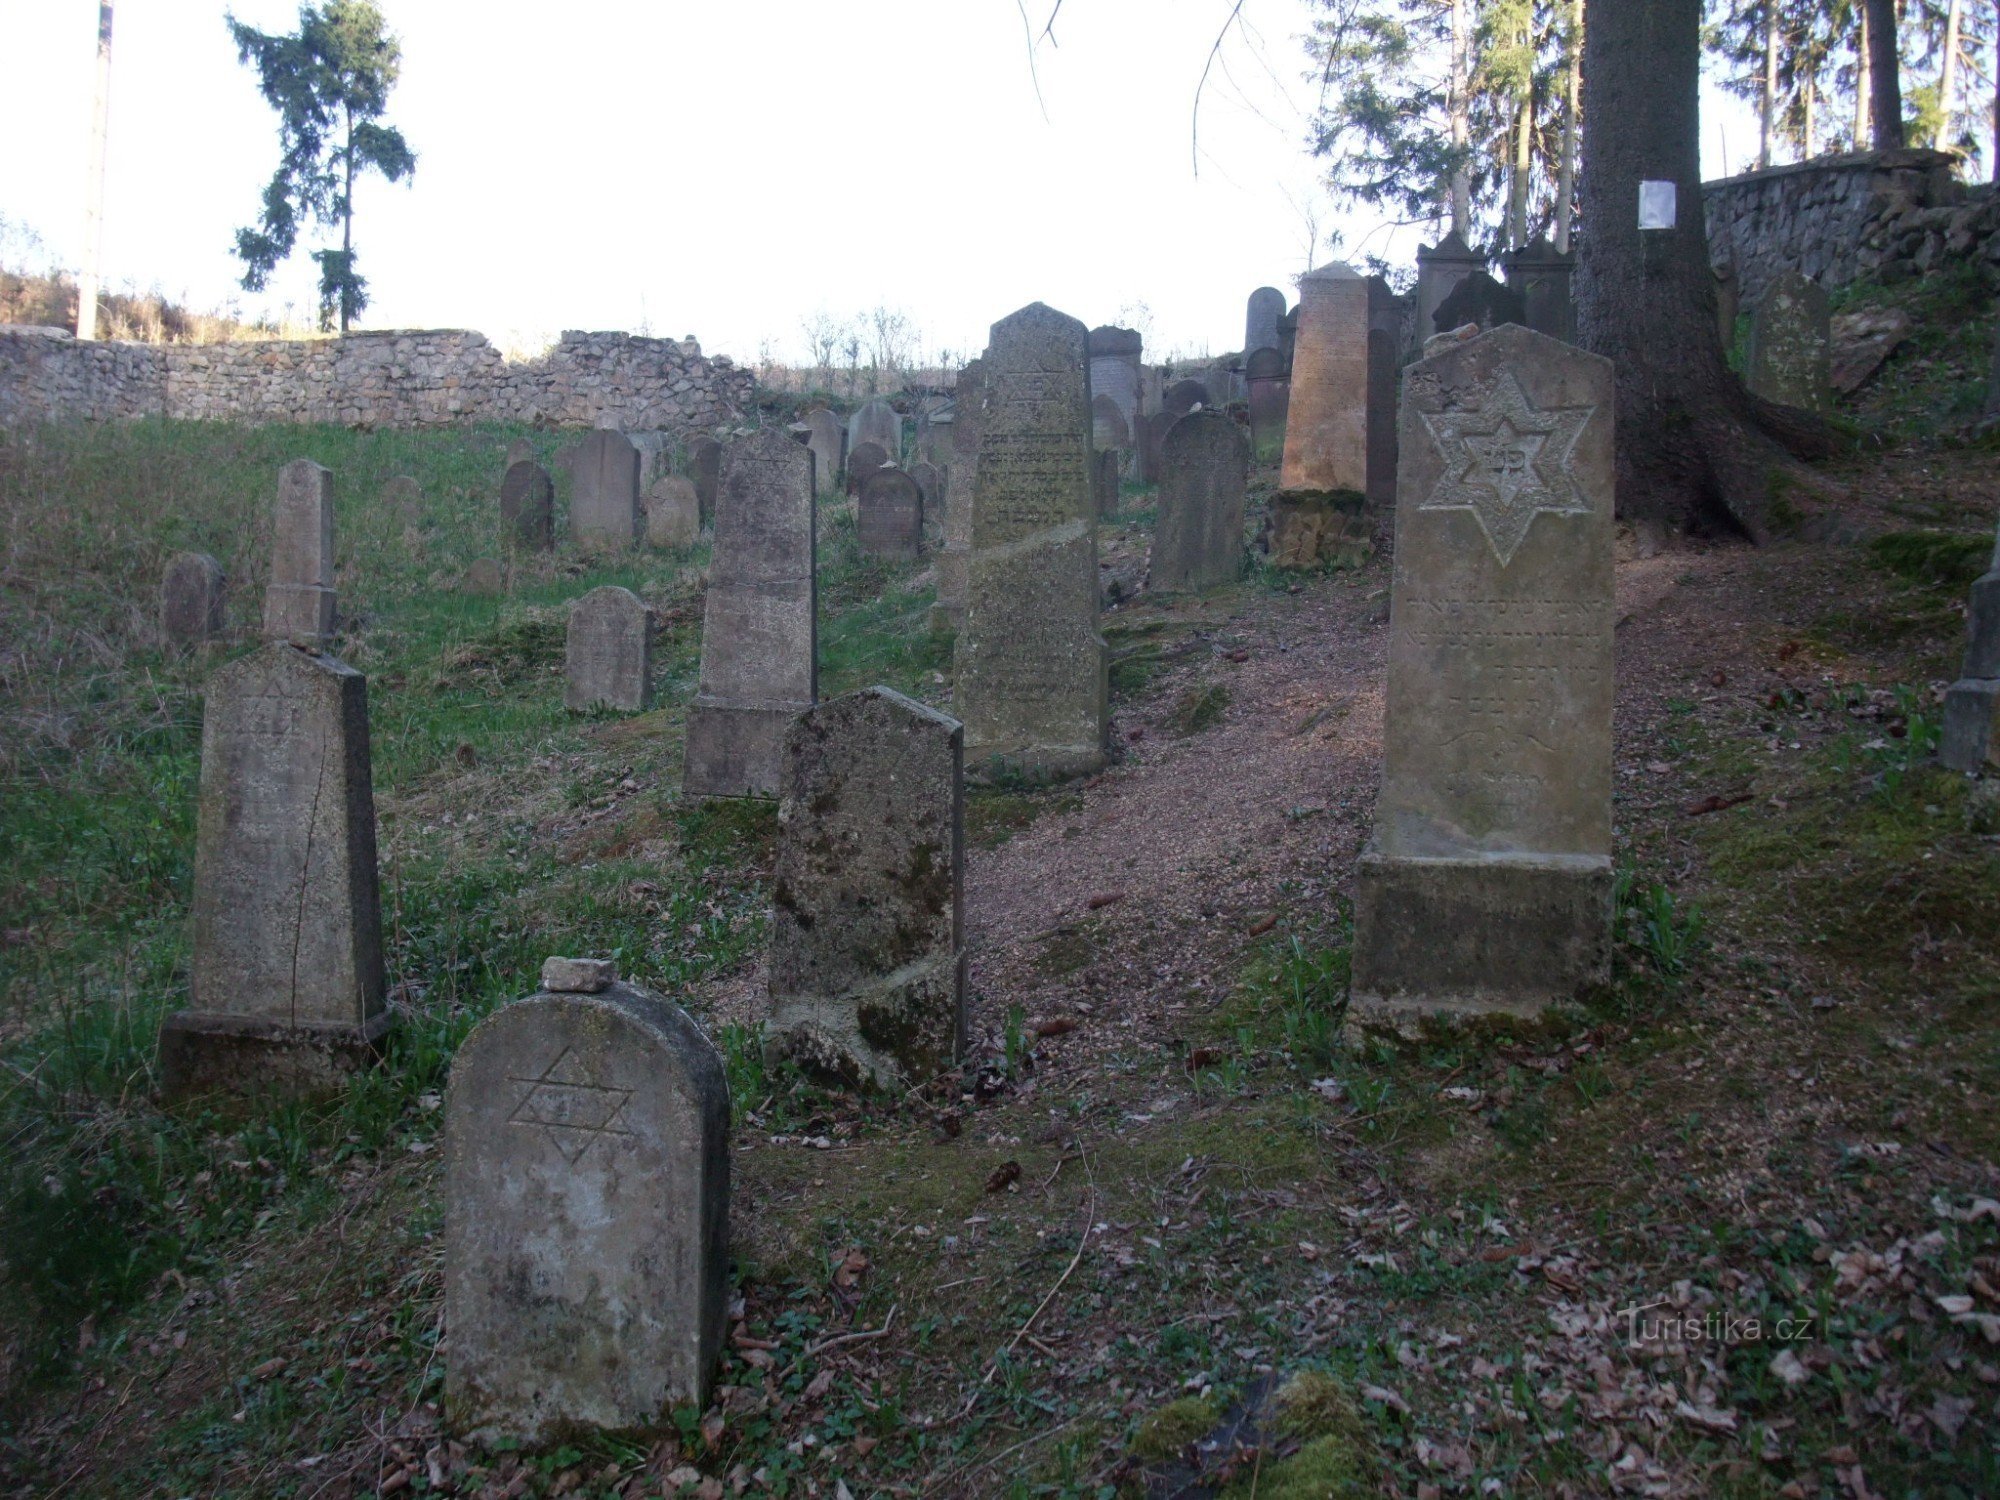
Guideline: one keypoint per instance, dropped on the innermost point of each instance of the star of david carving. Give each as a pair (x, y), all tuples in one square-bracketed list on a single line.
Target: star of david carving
[(1507, 463), (572, 1111)]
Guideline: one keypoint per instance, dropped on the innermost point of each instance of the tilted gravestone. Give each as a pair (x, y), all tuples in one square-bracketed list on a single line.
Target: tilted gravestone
[(877, 422), (889, 519), (1031, 666), (1790, 354), (1104, 469), (867, 963), (1262, 314), (191, 598), (1198, 542), (528, 507), (1486, 885), (608, 652), (704, 467), (829, 449), (759, 636), (673, 512), (1270, 393), (1972, 704), (586, 1235), (299, 601), (286, 980), (862, 462), (967, 416), (930, 481), (604, 493)]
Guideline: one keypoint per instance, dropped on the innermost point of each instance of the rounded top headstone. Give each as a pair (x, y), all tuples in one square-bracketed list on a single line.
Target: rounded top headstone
[(1109, 340)]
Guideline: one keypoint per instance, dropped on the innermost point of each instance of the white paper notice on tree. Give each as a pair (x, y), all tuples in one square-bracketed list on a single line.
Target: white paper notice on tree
[(1656, 205)]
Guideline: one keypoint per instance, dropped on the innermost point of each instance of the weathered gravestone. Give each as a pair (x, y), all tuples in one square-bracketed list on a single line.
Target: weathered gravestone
[(1326, 424), (656, 453), (879, 423), (1542, 275), (403, 498), (889, 519), (1262, 314), (1386, 313), (1205, 467), (867, 965), (1790, 355), (673, 512), (520, 451), (1482, 302), (1153, 427), (1108, 428), (1487, 883), (704, 467), (930, 481), (286, 980), (1972, 704), (1031, 666), (1115, 381), (1183, 396), (1104, 469), (829, 448), (604, 493), (759, 641), (1440, 268), (608, 654), (1270, 393), (865, 459), (191, 598), (586, 1236), (967, 417), (299, 600), (528, 507)]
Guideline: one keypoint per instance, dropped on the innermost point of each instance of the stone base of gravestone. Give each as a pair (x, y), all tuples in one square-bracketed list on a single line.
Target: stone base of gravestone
[(1971, 717), (1318, 528), (204, 1055)]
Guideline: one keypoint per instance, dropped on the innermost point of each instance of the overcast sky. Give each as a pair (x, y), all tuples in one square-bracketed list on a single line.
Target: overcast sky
[(724, 168)]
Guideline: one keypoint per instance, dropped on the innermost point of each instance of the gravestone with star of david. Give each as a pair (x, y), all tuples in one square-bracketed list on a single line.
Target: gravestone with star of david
[(1486, 885), (587, 1210)]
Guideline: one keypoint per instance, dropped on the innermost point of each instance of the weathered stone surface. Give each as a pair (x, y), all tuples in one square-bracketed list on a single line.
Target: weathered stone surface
[(528, 507), (879, 423), (829, 450), (867, 967), (1541, 275), (1205, 468), (759, 640), (1487, 883), (862, 462), (608, 654), (930, 482), (403, 497), (1104, 471), (191, 598), (1969, 743), (299, 600), (520, 451), (704, 467), (1440, 268), (1115, 381), (1183, 396), (1262, 314), (1152, 431), (1108, 428), (673, 512), (1326, 423), (1318, 529), (949, 611), (586, 1151), (1270, 395), (578, 976), (1789, 360), (1385, 341), (1480, 300), (889, 520), (1031, 666), (286, 983), (656, 455), (604, 493)]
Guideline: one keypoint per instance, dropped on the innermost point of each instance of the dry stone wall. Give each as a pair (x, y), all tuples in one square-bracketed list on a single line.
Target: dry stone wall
[(421, 379)]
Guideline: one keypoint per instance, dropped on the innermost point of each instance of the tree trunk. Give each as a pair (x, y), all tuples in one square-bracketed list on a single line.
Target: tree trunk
[(1461, 116), (1864, 84), (347, 227), (1695, 449), (1809, 145), (1948, 76), (1996, 93), (1517, 187), (1885, 102), (1767, 99), (93, 192), (1572, 89)]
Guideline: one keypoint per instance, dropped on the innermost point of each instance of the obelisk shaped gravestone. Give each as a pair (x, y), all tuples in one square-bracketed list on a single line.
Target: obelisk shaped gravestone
[(759, 641), (867, 968), (299, 600), (286, 979), (950, 567), (1205, 470), (586, 1238), (604, 494), (1789, 359), (1031, 666), (1487, 883), (1972, 704)]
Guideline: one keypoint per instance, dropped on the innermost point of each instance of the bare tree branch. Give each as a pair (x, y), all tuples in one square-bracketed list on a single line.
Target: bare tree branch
[(1194, 117)]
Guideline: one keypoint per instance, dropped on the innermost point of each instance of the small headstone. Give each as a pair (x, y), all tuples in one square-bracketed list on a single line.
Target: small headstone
[(673, 512), (950, 567), (862, 462), (1487, 883), (656, 454), (286, 980), (889, 519), (1386, 336), (829, 448), (1183, 396), (1270, 394), (191, 598), (586, 1236), (1790, 355), (930, 480), (403, 498), (1480, 300), (879, 423), (1542, 275), (1440, 268), (1108, 428), (520, 451), (704, 465), (299, 601), (759, 636), (1972, 704), (608, 657), (867, 966), (1105, 466), (1153, 427), (484, 578), (1261, 317), (604, 493), (1205, 468), (528, 507)]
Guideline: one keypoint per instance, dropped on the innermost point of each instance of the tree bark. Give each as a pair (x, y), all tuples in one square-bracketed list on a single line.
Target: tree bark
[(1696, 451), (1885, 102), (93, 199), (1864, 84), (1572, 96), (1461, 116), (1948, 76), (1767, 102)]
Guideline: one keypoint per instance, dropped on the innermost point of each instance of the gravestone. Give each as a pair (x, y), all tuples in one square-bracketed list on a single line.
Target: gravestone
[(1107, 424), (285, 988), (1790, 354), (1972, 704), (1261, 317), (528, 507), (934, 440), (1481, 301), (867, 963), (1270, 393), (608, 653), (866, 458), (1031, 667), (1115, 379), (1385, 343), (1183, 396), (1204, 471), (604, 493), (520, 451), (403, 498), (586, 1234), (948, 613), (1326, 422), (704, 467), (1542, 274), (1486, 885), (299, 600), (191, 598), (1104, 468), (930, 482), (1440, 268), (829, 447), (877, 422), (759, 641), (656, 453), (889, 519), (1153, 427), (673, 513)]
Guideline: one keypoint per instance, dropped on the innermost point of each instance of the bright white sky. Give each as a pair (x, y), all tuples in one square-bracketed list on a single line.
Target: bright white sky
[(724, 168)]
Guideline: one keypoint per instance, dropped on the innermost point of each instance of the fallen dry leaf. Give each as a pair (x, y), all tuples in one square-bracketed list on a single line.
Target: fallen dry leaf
[(1004, 1176), (1052, 1026), (1104, 899), (1262, 925)]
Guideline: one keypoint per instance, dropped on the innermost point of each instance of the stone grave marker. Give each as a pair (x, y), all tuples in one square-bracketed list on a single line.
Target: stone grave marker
[(1115, 377), (704, 467), (285, 989), (1262, 314), (829, 449), (520, 451), (1440, 268), (1790, 354), (604, 493), (1386, 337), (1270, 393), (1031, 666), (608, 652), (1972, 704), (1542, 275), (1153, 427), (656, 455), (403, 498), (948, 613), (930, 481), (191, 598), (863, 461), (759, 638), (1199, 539), (879, 423), (1486, 885), (1104, 471), (1108, 428), (867, 963), (889, 519), (299, 602), (586, 1235), (673, 512), (528, 507), (1482, 302), (1183, 396)]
